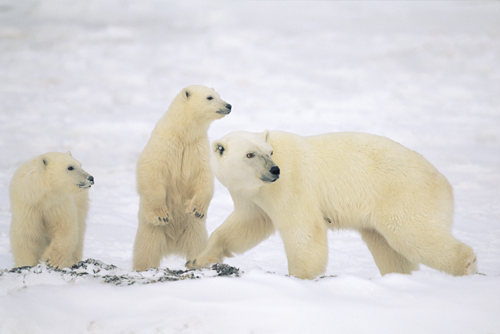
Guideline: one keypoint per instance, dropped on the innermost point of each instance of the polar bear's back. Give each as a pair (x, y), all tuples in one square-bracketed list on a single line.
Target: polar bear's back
[(26, 183), (356, 174), (348, 151)]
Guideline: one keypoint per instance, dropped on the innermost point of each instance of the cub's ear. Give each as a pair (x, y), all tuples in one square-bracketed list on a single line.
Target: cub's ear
[(218, 147), (186, 93), (69, 153), (265, 135), (42, 162)]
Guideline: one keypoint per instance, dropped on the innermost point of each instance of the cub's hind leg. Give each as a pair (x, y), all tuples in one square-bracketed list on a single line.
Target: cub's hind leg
[(150, 246), (194, 238)]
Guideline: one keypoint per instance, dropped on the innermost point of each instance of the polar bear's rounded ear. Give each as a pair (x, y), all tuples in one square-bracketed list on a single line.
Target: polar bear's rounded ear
[(218, 147), (42, 162), (69, 153), (265, 135)]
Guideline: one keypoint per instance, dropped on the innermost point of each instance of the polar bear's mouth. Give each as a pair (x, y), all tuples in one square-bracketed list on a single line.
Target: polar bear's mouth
[(87, 183), (224, 111), (269, 179)]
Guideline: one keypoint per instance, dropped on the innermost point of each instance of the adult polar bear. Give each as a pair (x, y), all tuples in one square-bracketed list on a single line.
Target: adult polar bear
[(174, 180), (396, 199), (49, 203)]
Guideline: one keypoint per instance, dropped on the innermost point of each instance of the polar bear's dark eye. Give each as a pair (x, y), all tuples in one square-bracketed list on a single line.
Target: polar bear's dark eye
[(71, 168), (221, 149), (250, 155), (272, 152), (210, 98)]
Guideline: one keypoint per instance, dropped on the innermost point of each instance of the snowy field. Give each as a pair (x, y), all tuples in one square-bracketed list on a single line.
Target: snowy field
[(93, 77)]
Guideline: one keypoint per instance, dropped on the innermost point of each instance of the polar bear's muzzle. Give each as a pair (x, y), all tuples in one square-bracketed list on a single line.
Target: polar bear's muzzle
[(226, 110), (272, 175), (87, 183)]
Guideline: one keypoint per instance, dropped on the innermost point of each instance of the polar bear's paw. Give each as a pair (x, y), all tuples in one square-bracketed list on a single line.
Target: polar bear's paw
[(56, 259), (197, 209), (198, 212), (200, 263), (471, 265), (158, 216), (206, 259)]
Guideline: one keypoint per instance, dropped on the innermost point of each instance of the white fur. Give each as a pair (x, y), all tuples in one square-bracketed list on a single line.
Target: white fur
[(49, 203), (398, 201), (174, 180)]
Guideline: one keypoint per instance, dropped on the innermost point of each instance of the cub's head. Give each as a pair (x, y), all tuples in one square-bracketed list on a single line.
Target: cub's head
[(243, 161), (62, 172), (205, 103)]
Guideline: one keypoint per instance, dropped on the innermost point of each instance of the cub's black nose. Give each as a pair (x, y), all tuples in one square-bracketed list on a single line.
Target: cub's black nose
[(90, 178), (228, 106), (275, 170)]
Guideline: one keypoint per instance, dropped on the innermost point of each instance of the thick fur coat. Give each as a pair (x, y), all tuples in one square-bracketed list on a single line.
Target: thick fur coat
[(303, 186), (174, 180), (49, 204)]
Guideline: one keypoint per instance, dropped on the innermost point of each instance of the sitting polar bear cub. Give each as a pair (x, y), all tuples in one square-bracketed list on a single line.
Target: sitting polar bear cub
[(397, 200), (49, 203)]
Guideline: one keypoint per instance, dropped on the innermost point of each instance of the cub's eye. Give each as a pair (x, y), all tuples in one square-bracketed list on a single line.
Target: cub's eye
[(272, 152), (250, 155), (71, 168), (210, 98)]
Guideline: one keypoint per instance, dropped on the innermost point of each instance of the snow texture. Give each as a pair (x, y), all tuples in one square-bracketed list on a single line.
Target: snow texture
[(93, 77)]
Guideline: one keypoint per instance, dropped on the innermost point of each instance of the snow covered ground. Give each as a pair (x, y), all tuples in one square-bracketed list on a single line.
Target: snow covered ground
[(94, 76)]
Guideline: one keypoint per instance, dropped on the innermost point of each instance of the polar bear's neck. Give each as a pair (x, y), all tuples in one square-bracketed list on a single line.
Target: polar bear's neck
[(182, 127)]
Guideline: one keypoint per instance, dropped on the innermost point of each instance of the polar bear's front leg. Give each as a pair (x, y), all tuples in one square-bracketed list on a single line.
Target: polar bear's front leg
[(241, 231), (63, 231), (306, 244), (203, 190), (153, 195)]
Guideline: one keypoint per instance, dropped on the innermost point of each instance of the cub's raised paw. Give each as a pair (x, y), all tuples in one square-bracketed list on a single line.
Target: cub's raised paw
[(158, 216), (198, 210), (197, 213)]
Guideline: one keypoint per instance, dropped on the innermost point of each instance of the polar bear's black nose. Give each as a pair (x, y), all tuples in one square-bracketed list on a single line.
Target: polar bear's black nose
[(228, 106), (275, 170), (90, 178)]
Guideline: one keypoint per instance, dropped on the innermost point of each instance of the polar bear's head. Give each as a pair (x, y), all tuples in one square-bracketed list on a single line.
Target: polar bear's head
[(62, 172), (203, 103), (243, 161)]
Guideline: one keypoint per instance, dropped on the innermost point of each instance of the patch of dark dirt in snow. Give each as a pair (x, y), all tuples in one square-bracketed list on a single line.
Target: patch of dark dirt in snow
[(92, 269)]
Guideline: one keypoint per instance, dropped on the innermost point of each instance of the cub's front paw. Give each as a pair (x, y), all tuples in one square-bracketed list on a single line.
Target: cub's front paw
[(198, 213), (158, 216), (198, 210), (56, 259)]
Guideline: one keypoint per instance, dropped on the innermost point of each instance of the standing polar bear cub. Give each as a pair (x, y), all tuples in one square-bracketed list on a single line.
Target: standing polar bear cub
[(396, 199), (49, 203), (174, 180)]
